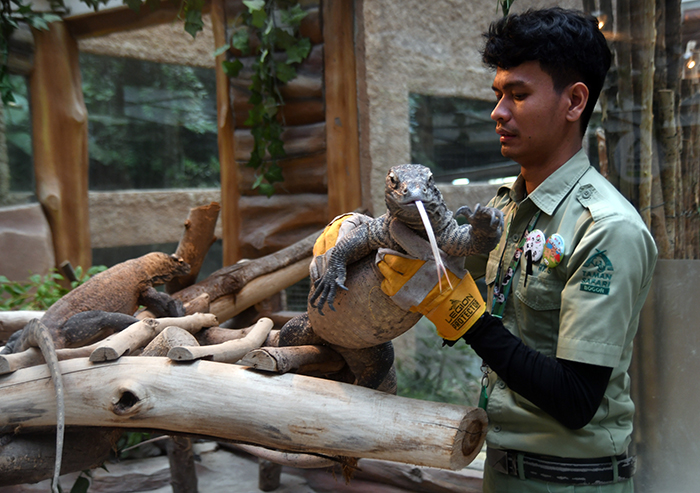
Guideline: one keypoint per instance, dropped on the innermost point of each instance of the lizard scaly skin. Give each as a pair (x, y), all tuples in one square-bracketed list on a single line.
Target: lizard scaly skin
[(366, 322)]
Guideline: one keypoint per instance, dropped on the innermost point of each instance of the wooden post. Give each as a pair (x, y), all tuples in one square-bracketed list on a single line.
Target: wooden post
[(230, 216), (60, 143), (646, 51), (342, 139)]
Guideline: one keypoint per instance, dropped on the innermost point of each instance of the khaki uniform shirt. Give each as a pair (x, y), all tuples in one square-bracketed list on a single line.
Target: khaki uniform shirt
[(586, 309)]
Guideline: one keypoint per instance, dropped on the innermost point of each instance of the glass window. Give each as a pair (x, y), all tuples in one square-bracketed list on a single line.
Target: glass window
[(456, 138), (16, 168), (151, 125)]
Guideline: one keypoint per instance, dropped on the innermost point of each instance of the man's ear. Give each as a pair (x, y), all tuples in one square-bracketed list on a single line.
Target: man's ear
[(578, 98)]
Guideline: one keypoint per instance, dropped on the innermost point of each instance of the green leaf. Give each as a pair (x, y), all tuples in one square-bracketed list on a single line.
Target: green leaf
[(134, 5), (240, 40), (81, 485), (193, 22), (298, 52), (51, 18), (258, 181), (232, 69), (221, 50), (284, 72), (266, 189), (274, 174), (276, 148), (254, 5), (258, 18), (293, 16)]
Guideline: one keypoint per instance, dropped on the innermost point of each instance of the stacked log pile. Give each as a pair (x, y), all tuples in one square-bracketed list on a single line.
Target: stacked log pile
[(300, 204)]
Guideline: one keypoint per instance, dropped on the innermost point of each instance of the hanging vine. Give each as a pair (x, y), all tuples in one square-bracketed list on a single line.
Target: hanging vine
[(268, 30)]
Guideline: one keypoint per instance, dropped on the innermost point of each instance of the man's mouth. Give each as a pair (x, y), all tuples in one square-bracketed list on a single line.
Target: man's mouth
[(506, 136)]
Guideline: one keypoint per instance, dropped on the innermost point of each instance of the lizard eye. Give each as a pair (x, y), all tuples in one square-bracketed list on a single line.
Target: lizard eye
[(393, 178)]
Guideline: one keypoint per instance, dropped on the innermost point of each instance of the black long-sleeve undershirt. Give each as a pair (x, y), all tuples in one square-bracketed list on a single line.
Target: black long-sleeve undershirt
[(569, 391)]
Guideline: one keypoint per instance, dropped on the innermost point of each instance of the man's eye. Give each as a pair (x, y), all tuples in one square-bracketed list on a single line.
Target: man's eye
[(519, 97)]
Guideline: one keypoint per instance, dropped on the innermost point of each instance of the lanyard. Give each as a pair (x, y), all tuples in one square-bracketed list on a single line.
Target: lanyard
[(501, 288)]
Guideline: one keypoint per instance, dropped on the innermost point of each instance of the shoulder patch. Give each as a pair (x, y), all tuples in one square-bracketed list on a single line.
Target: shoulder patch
[(597, 274)]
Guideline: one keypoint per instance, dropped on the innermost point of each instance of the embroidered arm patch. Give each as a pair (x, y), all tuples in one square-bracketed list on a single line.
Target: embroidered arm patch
[(597, 273)]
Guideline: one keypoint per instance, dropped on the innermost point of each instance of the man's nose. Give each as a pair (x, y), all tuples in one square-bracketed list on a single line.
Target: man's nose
[(500, 112)]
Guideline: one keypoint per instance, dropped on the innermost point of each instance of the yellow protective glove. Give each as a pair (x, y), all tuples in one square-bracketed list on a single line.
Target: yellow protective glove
[(454, 306)]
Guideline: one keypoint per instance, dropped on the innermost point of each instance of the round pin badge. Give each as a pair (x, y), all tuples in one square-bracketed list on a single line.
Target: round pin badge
[(553, 251), (534, 243)]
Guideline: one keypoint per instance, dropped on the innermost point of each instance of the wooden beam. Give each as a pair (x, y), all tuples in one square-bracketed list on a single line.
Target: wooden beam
[(342, 138), (60, 143), (123, 18), (230, 214), (287, 412)]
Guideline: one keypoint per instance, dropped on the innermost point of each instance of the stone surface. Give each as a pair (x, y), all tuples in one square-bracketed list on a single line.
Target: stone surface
[(25, 242), (220, 470)]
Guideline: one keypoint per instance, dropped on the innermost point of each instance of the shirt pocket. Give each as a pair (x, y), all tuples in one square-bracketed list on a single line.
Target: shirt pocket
[(537, 308)]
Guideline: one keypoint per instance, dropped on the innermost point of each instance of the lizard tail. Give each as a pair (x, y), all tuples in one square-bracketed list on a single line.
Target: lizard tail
[(40, 336)]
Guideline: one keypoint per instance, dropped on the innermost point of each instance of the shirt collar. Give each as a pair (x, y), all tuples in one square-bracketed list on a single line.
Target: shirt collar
[(549, 194)]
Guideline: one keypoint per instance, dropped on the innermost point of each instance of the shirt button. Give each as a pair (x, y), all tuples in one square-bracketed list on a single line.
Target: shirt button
[(497, 428), (501, 384), (586, 194), (514, 238)]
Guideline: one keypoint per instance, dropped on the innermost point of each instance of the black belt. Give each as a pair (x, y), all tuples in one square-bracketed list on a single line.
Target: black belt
[(604, 470)]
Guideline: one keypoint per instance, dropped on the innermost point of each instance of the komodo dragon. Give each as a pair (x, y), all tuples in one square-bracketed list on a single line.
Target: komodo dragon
[(119, 289), (366, 320), (107, 300)]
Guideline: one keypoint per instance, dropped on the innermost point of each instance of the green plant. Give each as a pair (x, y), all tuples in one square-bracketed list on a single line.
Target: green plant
[(39, 292), (269, 29), (439, 374), (12, 14)]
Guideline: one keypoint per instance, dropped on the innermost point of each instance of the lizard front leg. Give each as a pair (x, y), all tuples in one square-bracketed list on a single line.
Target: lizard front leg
[(351, 247), (480, 235)]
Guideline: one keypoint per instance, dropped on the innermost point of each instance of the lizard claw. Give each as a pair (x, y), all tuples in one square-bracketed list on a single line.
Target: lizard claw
[(325, 290)]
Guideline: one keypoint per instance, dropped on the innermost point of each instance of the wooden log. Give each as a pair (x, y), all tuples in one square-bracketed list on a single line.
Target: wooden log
[(197, 238), (289, 412), (29, 458), (296, 111), (60, 143), (342, 127), (301, 461), (169, 338), (183, 476), (286, 359), (280, 221), (139, 334), (269, 474), (218, 335), (646, 48), (226, 352), (12, 321), (302, 174), (257, 290), (298, 140), (230, 280)]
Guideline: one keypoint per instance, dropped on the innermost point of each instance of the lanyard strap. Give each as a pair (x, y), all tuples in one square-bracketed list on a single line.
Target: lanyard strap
[(501, 288)]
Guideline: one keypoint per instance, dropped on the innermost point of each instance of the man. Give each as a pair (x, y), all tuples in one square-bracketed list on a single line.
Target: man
[(568, 279)]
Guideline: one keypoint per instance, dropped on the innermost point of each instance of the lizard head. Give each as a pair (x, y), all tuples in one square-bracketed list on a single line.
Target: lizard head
[(407, 183), (165, 267)]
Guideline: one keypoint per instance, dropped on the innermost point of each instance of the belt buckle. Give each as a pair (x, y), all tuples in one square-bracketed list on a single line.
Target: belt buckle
[(498, 460)]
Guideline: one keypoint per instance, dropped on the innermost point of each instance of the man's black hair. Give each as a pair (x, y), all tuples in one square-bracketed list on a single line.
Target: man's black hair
[(567, 44)]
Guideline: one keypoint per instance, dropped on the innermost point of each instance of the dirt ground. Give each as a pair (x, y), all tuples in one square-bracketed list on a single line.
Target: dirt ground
[(220, 470)]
